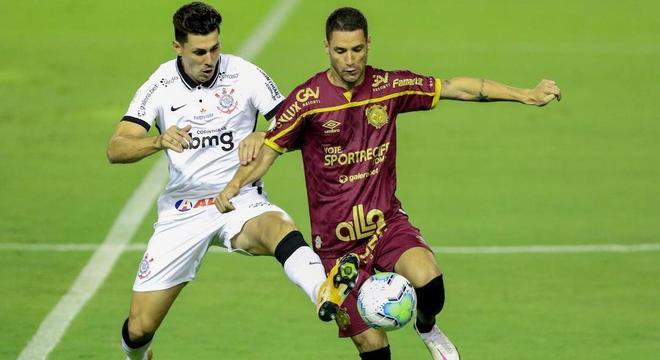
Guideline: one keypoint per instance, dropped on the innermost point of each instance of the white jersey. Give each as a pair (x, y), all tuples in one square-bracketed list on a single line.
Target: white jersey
[(222, 112)]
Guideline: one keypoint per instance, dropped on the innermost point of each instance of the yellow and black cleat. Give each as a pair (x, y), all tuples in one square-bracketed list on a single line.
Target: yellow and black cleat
[(334, 290)]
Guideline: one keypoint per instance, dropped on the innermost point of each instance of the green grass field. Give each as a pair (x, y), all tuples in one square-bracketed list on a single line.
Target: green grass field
[(580, 172)]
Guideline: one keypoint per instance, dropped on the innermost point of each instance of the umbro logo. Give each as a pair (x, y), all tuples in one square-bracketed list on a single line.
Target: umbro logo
[(172, 108), (331, 127)]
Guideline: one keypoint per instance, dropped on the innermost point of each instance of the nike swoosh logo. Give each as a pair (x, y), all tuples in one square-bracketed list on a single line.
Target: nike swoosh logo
[(172, 108), (314, 263)]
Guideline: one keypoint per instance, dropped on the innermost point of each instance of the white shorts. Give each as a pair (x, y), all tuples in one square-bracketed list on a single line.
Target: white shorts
[(177, 247)]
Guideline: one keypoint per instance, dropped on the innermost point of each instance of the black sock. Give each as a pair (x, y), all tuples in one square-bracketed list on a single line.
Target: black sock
[(380, 354), (127, 339), (288, 245), (430, 300)]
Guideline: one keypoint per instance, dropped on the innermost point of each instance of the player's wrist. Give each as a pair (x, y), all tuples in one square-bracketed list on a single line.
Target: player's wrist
[(525, 96), (158, 142), (233, 186)]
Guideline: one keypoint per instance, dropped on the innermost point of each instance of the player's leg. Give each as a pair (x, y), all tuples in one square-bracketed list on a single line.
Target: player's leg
[(372, 344), (418, 265), (170, 261), (148, 309), (274, 233)]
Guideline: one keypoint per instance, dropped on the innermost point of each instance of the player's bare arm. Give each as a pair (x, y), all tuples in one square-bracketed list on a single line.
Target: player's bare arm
[(473, 89), (245, 175), (129, 143), (248, 149)]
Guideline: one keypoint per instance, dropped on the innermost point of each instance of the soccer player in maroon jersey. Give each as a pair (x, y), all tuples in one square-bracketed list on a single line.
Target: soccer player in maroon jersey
[(344, 121)]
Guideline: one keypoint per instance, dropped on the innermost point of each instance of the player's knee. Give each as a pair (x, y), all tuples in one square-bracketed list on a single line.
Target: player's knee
[(272, 228), (370, 340), (431, 297), (288, 245), (418, 265), (279, 225)]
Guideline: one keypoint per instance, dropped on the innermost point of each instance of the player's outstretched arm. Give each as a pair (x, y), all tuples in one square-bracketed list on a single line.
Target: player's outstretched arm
[(472, 89), (129, 143), (246, 174), (248, 149)]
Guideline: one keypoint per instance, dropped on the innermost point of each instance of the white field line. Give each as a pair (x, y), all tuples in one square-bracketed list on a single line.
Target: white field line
[(515, 249), (100, 264)]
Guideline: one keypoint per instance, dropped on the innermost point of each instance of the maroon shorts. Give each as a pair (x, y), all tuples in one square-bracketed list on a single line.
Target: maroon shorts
[(398, 236)]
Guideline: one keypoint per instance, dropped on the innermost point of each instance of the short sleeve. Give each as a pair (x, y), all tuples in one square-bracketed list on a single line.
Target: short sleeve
[(143, 109), (285, 130), (418, 92), (266, 95)]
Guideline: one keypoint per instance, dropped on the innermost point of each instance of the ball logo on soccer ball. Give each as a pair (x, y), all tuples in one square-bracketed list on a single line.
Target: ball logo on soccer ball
[(387, 301)]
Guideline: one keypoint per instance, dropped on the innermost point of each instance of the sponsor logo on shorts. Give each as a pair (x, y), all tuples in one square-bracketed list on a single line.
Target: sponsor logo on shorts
[(368, 253), (144, 270), (258, 204), (362, 225), (184, 205)]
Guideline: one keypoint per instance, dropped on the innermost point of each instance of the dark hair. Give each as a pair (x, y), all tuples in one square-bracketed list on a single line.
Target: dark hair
[(195, 18), (345, 19)]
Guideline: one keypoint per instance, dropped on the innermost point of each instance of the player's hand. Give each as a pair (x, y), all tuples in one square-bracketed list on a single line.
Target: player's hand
[(222, 201), (175, 138), (248, 149), (543, 93)]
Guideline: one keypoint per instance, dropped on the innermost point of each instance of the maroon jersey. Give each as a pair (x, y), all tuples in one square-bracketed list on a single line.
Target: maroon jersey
[(348, 144)]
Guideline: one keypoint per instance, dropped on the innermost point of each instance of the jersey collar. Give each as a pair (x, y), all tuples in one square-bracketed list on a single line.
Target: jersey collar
[(189, 82)]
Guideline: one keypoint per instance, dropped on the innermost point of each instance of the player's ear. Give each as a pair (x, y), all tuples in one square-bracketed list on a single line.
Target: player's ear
[(177, 47), (369, 42), (327, 47)]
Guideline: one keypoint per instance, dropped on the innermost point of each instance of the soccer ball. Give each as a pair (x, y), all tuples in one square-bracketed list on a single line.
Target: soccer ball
[(387, 301)]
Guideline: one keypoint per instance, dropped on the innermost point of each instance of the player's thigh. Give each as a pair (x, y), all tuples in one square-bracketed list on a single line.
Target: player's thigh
[(418, 265), (175, 251), (370, 340), (261, 234), (148, 309)]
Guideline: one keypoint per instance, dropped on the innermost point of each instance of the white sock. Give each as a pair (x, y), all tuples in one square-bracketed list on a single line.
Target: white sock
[(304, 268), (135, 354)]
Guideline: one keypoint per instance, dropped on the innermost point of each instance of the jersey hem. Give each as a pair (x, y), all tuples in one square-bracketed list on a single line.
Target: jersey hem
[(271, 144), (436, 97)]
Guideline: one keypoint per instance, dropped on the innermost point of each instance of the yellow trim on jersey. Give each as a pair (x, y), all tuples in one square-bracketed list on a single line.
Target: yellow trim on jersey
[(348, 95), (350, 105), (271, 144), (438, 88)]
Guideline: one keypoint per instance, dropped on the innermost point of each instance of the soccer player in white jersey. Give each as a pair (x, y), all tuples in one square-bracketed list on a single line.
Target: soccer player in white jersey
[(205, 106)]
